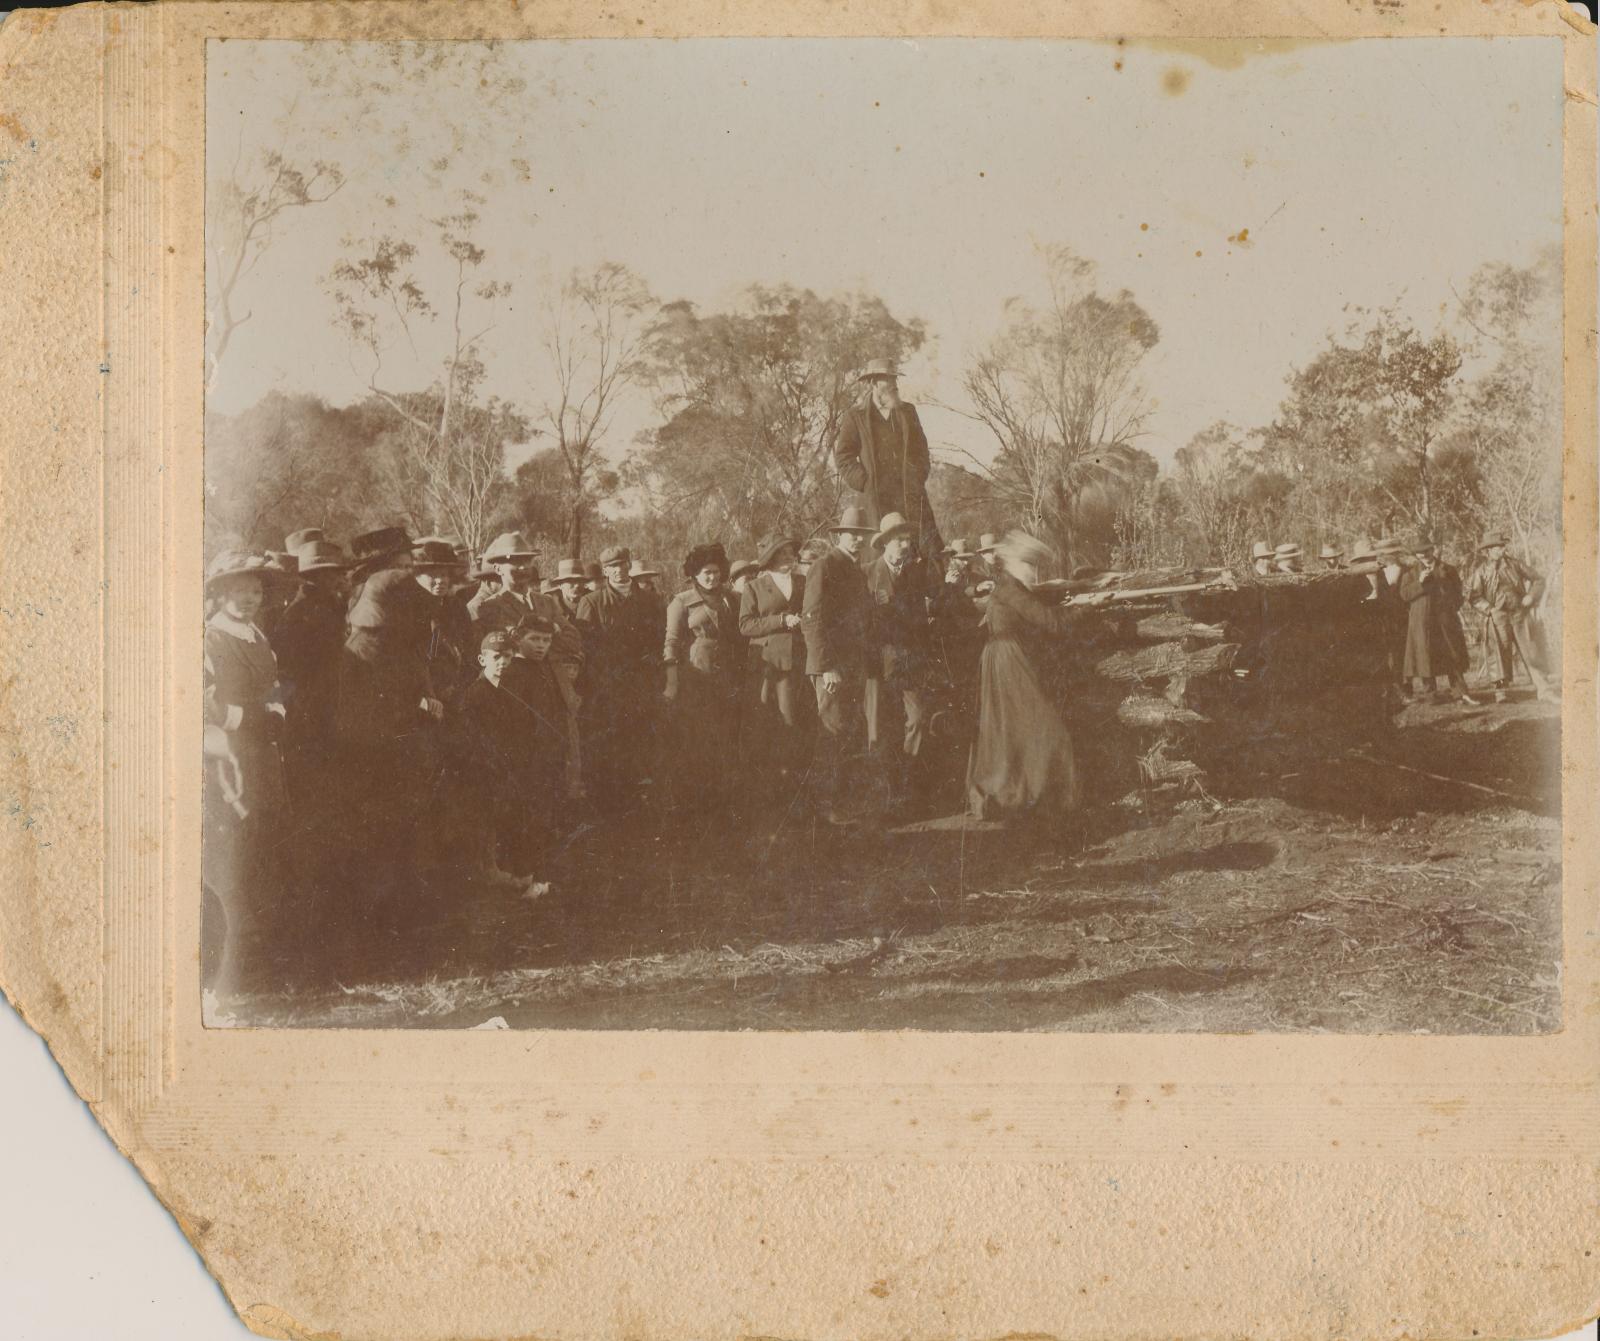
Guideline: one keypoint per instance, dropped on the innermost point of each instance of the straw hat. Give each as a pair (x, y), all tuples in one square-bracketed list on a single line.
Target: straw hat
[(958, 549), (1330, 552), (877, 368), (987, 542), (1288, 550), (854, 519), (893, 524), (1363, 552), (1261, 550)]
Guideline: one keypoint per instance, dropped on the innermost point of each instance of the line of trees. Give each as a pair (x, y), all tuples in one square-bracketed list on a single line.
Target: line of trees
[(1388, 429)]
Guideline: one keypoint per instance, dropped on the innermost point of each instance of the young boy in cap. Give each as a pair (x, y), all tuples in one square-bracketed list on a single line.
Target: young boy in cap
[(504, 753)]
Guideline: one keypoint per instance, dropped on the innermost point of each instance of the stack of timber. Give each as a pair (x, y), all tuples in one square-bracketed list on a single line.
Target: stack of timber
[(1182, 674)]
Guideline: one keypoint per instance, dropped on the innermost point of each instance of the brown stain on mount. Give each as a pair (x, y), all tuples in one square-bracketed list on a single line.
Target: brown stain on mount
[(1175, 81)]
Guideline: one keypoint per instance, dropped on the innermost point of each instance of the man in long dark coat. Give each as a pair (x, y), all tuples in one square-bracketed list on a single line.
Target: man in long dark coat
[(837, 619), (770, 608), (1436, 646), (622, 626), (310, 641), (902, 587), (882, 454)]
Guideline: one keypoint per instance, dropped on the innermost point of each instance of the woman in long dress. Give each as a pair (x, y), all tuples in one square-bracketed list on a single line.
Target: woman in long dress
[(244, 799), (705, 660), (1022, 763)]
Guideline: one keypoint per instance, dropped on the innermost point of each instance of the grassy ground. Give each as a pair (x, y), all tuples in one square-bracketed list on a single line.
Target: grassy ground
[(1344, 892)]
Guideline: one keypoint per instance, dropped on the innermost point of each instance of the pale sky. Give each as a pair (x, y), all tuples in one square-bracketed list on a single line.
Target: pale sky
[(1365, 172)]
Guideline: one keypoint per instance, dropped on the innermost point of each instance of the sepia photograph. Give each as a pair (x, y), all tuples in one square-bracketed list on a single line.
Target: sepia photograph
[(870, 534)]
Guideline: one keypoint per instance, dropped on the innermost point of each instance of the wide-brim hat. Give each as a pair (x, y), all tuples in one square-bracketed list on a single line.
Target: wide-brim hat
[(1495, 538), (379, 544), (877, 368), (296, 541), (854, 519), (434, 553), (740, 567), (1288, 552), (958, 549), (893, 524), (615, 554), (568, 570), (987, 542), (508, 546), (1330, 552), (238, 563), (772, 546), (1363, 552), (638, 569), (317, 556), (1386, 546), (1261, 550)]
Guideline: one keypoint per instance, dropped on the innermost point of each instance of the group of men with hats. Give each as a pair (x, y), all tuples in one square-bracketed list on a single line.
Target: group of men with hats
[(1423, 595)]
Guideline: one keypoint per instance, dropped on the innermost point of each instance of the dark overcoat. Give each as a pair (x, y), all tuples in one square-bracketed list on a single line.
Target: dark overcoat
[(836, 616), (1435, 641), (886, 462)]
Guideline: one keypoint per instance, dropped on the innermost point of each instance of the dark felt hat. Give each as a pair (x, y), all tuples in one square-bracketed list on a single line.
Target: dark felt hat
[(772, 546)]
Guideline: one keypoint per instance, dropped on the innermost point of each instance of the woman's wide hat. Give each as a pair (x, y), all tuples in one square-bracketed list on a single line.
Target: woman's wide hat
[(379, 544), (740, 567), (774, 545), (434, 552), (854, 519), (893, 524), (234, 563)]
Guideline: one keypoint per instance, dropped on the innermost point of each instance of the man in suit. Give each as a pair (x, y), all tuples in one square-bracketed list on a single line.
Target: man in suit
[(1504, 591), (519, 596), (882, 454), (770, 609), (836, 619), (622, 625), (903, 588)]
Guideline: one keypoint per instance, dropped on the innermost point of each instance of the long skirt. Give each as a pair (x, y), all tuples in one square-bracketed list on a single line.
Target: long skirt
[(1022, 759)]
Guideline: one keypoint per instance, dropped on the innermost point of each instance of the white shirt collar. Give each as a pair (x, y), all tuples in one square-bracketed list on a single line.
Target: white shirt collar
[(783, 581), (247, 633)]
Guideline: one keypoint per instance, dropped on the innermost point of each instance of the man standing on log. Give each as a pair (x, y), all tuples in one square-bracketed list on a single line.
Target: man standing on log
[(1503, 590), (882, 454)]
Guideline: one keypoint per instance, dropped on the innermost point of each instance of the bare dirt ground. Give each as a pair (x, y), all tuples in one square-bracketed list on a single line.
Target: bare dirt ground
[(1348, 892)]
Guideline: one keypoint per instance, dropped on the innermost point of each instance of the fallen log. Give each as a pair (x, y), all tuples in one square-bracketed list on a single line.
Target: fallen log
[(1161, 661)]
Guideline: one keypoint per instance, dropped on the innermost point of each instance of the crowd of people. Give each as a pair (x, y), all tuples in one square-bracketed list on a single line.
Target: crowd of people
[(402, 716), (1424, 596)]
